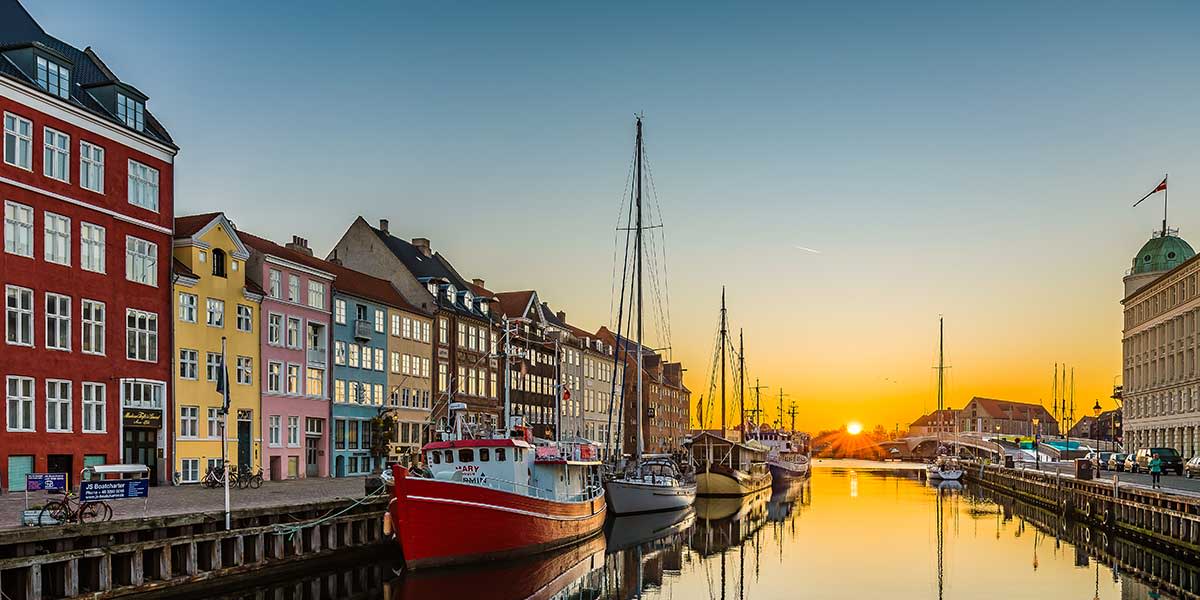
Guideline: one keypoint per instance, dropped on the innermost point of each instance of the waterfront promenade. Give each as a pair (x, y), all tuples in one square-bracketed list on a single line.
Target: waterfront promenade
[(171, 500)]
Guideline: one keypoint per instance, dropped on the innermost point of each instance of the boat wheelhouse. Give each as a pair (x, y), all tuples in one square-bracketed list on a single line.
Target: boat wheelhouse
[(728, 468)]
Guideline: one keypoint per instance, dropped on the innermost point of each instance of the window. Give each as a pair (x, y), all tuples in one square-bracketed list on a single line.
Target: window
[(18, 229), (314, 381), (18, 141), (142, 394), (189, 363), (396, 362), (212, 366), (378, 398), (293, 431), (313, 426), (19, 403), (352, 438), (245, 318), (91, 247), (379, 359), (408, 327), (187, 307), (316, 294), (275, 330), (425, 327), (396, 325), (130, 111), (380, 322), (353, 355), (218, 263), (94, 409), (274, 377), (443, 331), (58, 322), (245, 370), (56, 159), (293, 288), (293, 379), (58, 405), (339, 434), (91, 167), (273, 284), (189, 470), (443, 375), (57, 246), (216, 312), (316, 337), (273, 430), (141, 261), (339, 390), (293, 332), (143, 186), (18, 315), (141, 335), (189, 421), (339, 311), (406, 367), (215, 423), (339, 353), (53, 77)]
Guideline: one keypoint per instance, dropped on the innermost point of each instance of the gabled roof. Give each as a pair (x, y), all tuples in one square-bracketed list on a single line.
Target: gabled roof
[(433, 267), (18, 29), (265, 246), (1009, 409), (194, 226), (188, 225), (515, 304), (181, 269)]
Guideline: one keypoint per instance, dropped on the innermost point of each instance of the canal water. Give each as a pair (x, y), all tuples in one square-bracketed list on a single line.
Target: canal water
[(853, 530)]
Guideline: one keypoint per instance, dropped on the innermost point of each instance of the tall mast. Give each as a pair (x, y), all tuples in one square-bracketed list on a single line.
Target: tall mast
[(941, 362), (724, 333), (638, 251), (780, 408), (1055, 392), (792, 412), (507, 382), (742, 379)]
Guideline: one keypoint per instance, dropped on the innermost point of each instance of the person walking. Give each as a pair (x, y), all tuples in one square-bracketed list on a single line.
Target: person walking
[(1156, 471)]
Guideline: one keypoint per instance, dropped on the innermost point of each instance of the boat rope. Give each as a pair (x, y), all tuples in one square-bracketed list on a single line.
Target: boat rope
[(291, 529)]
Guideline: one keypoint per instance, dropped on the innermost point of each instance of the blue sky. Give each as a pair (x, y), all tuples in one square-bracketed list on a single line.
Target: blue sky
[(943, 158)]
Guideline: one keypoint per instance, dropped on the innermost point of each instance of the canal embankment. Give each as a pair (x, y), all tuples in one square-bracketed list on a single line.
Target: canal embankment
[(1149, 515), (133, 556)]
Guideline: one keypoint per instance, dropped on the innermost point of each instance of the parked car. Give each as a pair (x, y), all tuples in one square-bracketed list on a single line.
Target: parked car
[(1192, 468), (1131, 462), (1171, 460), (1116, 462), (1102, 464)]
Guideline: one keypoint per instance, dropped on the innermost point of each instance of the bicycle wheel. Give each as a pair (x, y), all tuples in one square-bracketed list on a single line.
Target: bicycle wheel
[(92, 512), (54, 511), (256, 481)]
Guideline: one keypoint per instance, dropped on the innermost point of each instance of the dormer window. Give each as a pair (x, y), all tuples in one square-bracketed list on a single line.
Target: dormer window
[(483, 307), (130, 111), (450, 294), (218, 263), (467, 300), (53, 77), (432, 288)]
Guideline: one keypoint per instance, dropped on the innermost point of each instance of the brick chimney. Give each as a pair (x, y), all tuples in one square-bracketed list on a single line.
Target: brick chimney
[(299, 244), (562, 316), (422, 245), (383, 225), (479, 282)]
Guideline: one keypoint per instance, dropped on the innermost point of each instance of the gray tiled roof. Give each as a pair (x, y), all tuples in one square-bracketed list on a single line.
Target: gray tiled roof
[(434, 266)]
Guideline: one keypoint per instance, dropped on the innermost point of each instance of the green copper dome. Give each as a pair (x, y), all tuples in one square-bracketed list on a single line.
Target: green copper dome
[(1162, 253)]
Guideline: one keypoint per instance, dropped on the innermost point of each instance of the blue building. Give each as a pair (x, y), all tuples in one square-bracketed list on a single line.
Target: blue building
[(361, 304)]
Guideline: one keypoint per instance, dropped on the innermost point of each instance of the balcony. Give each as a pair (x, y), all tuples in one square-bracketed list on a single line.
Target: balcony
[(362, 330), (316, 357)]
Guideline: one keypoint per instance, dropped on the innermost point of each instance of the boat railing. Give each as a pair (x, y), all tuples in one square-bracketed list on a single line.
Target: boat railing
[(500, 484)]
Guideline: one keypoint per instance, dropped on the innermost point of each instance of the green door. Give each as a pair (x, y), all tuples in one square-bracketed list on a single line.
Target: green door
[(18, 467)]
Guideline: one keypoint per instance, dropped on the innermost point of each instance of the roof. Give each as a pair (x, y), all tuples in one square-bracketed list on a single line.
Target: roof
[(181, 269), (1009, 409), (937, 416), (1161, 253), (513, 304), (187, 226), (19, 29), (434, 266)]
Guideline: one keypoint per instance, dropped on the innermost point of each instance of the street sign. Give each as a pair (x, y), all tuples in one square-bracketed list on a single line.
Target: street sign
[(37, 482), (90, 491)]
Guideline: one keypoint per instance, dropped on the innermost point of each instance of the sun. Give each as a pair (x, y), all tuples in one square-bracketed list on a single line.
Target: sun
[(853, 428)]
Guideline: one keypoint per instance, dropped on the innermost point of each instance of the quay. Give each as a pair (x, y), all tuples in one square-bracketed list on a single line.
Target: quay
[(124, 557), (1148, 515)]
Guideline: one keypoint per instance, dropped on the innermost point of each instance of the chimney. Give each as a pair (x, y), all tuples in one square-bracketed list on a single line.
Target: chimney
[(334, 259), (299, 244), (562, 316), (479, 282), (383, 225), (422, 244)]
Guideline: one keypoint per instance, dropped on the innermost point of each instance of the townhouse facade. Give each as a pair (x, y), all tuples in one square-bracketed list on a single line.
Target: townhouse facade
[(215, 331), (296, 362), (410, 376), (1005, 417), (666, 401), (535, 374), (86, 181)]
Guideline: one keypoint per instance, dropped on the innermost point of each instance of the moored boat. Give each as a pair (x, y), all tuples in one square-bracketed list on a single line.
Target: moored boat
[(727, 468)]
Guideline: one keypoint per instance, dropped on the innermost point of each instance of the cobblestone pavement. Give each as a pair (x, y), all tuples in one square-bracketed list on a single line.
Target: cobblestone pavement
[(169, 500)]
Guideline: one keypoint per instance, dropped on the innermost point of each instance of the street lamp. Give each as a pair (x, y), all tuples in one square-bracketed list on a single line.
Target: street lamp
[(1096, 410), (1037, 453)]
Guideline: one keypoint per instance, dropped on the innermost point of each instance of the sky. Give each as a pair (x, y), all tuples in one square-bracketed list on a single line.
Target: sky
[(848, 172)]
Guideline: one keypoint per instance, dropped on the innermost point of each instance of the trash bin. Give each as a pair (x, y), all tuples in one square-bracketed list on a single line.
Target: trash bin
[(1083, 469), (1008, 461)]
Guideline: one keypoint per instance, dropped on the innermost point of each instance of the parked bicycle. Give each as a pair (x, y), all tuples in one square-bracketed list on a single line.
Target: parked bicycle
[(246, 479), (214, 478), (70, 510)]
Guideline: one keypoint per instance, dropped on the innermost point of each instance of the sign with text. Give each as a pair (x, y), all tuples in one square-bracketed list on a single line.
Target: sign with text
[(142, 418), (37, 482), (90, 491)]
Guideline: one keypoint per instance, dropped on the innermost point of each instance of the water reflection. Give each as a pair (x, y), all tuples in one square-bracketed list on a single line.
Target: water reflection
[(853, 530)]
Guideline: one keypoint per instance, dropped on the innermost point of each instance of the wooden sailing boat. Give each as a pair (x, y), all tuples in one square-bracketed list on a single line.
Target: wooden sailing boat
[(944, 467), (649, 483), (726, 467)]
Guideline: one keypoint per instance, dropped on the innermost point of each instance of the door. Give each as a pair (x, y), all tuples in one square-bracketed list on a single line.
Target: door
[(18, 467), (311, 455), (61, 463), (141, 448), (243, 446)]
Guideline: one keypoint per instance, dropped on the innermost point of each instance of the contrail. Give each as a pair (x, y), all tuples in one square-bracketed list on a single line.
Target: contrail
[(813, 250)]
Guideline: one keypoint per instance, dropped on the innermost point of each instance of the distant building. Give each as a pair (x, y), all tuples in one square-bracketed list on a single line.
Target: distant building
[(535, 378), (1006, 417), (666, 401), (943, 421)]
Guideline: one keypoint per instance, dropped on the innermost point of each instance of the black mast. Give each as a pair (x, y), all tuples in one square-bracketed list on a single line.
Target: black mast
[(638, 251)]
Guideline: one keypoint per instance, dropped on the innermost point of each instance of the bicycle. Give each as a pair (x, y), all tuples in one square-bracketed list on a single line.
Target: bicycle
[(71, 510), (214, 478), (247, 479)]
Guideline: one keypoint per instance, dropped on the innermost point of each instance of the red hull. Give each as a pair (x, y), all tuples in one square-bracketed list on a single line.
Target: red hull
[(444, 523)]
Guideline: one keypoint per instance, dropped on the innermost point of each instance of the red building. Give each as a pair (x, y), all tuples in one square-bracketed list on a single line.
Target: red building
[(86, 183)]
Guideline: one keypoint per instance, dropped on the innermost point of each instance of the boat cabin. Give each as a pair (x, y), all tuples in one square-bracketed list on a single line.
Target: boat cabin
[(711, 450), (561, 471)]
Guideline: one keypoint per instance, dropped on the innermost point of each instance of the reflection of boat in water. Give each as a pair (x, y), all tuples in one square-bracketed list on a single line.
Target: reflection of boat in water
[(784, 501), (566, 572), (639, 530), (726, 522), (944, 467), (947, 485)]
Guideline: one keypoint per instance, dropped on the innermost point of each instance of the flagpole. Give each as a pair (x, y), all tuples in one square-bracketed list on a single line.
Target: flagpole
[(224, 375), (1165, 191)]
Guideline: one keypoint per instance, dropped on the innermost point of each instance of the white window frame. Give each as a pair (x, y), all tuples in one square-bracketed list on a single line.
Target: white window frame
[(57, 322), (92, 254), (24, 315), (245, 370), (18, 229), (56, 238), (143, 185), (188, 305), (273, 285), (212, 366), (316, 294), (24, 403), (52, 77), (91, 167), (275, 329), (380, 321), (339, 311), (214, 312), (55, 403), (288, 338), (142, 336), (189, 364), (293, 289), (245, 318), (189, 422), (293, 439), (189, 470), (273, 431), (20, 131), (56, 154), (275, 377), (289, 388), (141, 261), (93, 407)]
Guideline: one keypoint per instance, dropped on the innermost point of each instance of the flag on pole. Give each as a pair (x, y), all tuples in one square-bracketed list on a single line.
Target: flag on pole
[(223, 380), (1162, 187)]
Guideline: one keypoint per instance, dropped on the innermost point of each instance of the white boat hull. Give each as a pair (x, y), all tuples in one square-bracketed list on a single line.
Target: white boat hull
[(631, 497), (944, 474)]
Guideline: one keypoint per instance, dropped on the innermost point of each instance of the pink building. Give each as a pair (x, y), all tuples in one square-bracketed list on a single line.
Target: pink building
[(295, 357)]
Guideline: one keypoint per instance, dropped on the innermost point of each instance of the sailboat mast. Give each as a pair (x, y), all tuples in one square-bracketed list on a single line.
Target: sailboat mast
[(780, 408), (941, 363), (742, 379), (723, 335), (638, 268)]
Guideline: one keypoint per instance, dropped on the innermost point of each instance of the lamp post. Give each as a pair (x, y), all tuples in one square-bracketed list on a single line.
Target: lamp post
[(1037, 453), (1096, 410)]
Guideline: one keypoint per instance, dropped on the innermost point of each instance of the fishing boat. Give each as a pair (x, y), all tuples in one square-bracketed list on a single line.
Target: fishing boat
[(648, 483), (788, 456), (946, 466)]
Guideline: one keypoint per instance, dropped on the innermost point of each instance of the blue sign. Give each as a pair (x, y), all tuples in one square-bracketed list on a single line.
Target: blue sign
[(90, 491), (36, 482)]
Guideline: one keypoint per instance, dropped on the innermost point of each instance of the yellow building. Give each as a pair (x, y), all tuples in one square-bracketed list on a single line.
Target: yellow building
[(214, 301)]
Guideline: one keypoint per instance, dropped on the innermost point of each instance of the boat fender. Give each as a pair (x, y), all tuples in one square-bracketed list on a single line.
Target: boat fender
[(1087, 535), (387, 524), (1087, 509)]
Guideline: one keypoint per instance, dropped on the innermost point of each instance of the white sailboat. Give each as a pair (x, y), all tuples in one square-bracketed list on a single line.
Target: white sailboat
[(945, 467), (649, 483)]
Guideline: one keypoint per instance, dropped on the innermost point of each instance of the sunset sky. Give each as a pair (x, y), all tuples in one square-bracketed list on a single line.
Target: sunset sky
[(849, 173)]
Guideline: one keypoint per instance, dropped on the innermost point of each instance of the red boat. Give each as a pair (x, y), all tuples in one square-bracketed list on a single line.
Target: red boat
[(495, 498)]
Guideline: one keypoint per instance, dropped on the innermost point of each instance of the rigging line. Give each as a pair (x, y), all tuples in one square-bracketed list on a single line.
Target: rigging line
[(617, 345), (664, 325), (621, 410), (620, 205), (662, 232)]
